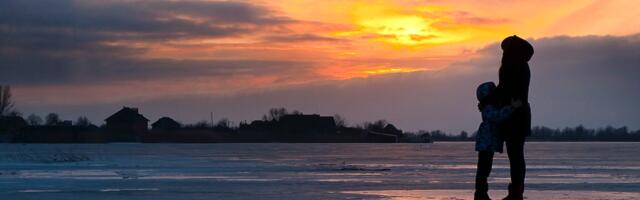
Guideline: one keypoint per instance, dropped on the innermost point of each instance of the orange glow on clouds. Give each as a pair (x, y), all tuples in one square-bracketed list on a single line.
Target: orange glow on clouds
[(404, 29), (348, 31), (372, 30), (339, 39), (391, 70), (401, 27)]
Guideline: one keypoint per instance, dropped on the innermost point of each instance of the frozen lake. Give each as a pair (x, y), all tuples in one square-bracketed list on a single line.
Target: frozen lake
[(587, 170)]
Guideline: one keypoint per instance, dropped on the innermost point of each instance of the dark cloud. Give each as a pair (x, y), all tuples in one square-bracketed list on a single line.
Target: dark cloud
[(590, 80), (56, 26), (586, 80), (147, 18), (53, 42), (295, 38), (33, 43), (34, 72)]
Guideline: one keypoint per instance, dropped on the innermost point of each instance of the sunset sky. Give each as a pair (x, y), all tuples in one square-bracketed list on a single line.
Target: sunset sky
[(414, 63)]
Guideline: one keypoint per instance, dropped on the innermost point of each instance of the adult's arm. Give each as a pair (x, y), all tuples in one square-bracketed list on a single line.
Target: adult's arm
[(496, 114)]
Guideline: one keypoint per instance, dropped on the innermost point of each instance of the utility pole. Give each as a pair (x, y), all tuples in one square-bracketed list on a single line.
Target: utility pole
[(211, 119)]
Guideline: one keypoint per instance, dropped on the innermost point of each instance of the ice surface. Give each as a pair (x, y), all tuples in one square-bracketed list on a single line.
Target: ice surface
[(308, 171), (468, 194)]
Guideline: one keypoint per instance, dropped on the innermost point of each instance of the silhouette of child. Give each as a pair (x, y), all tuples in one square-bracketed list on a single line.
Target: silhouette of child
[(488, 140)]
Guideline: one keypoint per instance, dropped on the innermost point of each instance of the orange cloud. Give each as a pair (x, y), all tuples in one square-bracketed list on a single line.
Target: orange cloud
[(335, 39)]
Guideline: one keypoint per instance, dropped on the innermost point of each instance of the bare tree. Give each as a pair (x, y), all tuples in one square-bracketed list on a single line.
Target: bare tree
[(15, 113), (6, 102), (83, 121), (377, 125), (339, 120), (223, 123), (201, 124), (276, 113), (52, 119), (464, 135), (34, 120)]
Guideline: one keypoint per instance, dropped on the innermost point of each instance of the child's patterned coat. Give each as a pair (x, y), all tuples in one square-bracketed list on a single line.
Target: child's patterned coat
[(487, 138)]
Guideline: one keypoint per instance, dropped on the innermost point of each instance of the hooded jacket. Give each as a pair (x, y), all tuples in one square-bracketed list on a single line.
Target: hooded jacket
[(514, 79)]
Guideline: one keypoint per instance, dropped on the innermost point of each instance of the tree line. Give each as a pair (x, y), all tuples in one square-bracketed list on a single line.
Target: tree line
[(542, 133), (539, 133)]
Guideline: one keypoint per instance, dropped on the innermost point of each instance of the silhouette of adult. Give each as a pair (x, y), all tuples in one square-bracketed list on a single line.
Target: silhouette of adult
[(514, 77)]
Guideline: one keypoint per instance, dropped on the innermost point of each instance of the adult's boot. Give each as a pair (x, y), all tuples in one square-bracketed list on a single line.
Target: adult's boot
[(515, 192)]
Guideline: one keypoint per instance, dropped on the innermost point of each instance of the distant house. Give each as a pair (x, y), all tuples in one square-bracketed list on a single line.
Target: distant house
[(259, 125), (391, 129), (165, 124), (9, 126), (388, 133), (126, 124), (307, 124)]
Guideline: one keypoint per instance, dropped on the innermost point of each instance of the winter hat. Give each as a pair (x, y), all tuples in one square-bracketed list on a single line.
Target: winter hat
[(484, 90), (518, 48)]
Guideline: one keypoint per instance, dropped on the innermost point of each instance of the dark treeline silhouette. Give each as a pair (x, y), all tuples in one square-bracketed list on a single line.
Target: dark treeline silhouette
[(581, 133), (128, 125), (541, 133), (277, 125)]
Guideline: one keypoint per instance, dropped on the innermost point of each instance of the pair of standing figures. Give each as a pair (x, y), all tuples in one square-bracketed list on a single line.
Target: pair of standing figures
[(506, 117)]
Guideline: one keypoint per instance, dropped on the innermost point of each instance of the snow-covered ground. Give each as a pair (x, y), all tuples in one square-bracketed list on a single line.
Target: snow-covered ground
[(308, 171)]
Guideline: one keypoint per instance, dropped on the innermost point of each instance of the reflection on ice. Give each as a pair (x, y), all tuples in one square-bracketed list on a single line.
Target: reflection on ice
[(127, 189), (219, 178), (468, 194), (348, 180), (347, 174), (37, 191), (577, 175)]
